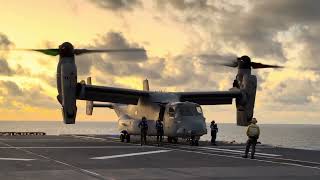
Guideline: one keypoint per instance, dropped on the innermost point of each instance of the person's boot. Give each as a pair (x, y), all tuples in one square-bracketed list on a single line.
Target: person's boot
[(252, 156), (245, 156)]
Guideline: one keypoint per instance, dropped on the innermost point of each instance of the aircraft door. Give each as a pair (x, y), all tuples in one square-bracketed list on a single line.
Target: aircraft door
[(161, 112), (168, 121)]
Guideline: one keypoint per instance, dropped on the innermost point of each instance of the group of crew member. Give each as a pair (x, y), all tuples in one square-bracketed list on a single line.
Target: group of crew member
[(253, 133), (143, 125)]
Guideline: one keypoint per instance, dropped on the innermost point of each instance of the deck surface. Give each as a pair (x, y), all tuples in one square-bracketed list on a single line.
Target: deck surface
[(104, 157)]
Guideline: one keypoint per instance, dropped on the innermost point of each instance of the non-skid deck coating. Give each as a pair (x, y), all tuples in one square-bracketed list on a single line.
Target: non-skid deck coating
[(104, 157)]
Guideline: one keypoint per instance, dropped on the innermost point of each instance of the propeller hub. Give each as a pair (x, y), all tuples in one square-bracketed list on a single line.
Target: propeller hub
[(244, 62), (66, 50)]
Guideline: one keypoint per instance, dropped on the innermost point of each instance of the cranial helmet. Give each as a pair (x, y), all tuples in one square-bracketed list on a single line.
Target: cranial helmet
[(254, 120)]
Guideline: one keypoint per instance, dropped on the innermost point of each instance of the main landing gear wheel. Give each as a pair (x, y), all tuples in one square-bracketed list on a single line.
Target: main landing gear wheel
[(128, 138), (194, 141), (172, 139), (175, 140), (124, 136)]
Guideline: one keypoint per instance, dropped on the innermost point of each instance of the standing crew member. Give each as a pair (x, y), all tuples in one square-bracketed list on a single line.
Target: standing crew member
[(159, 127), (143, 125), (253, 133), (214, 131)]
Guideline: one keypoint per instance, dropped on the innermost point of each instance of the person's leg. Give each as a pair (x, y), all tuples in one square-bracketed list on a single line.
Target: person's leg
[(158, 136), (145, 137), (161, 136), (141, 138), (247, 148), (253, 150), (211, 137), (214, 137)]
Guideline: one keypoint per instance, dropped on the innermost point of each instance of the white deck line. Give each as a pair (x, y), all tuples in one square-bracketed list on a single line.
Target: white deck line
[(76, 147), (237, 151), (130, 154), (15, 159)]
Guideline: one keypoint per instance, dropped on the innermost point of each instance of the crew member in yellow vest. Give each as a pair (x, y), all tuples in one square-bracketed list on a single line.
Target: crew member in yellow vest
[(253, 133)]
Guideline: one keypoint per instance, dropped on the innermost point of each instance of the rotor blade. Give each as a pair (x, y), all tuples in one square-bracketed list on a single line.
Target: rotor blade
[(84, 51), (229, 64), (50, 52), (218, 59), (255, 65)]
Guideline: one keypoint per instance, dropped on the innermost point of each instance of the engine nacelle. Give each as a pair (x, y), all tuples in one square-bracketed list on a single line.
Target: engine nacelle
[(245, 105), (68, 89)]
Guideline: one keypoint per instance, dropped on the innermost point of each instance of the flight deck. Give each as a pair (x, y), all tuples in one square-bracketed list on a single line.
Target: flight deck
[(85, 157)]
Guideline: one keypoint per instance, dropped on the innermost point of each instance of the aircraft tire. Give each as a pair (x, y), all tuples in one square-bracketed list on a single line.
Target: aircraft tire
[(196, 143), (122, 137), (175, 140), (128, 138)]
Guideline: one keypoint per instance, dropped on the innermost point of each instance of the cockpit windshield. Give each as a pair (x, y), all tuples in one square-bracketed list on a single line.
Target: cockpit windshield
[(184, 110)]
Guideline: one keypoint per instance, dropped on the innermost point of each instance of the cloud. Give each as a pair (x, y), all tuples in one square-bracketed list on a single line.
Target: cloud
[(14, 97), (4, 68), (115, 5), (185, 4), (116, 40), (11, 88), (5, 43), (116, 63)]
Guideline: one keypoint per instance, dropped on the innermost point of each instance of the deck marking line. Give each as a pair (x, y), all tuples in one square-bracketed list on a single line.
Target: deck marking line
[(16, 159), (230, 150), (236, 153), (103, 139), (237, 157), (76, 147), (75, 168), (130, 154), (89, 137)]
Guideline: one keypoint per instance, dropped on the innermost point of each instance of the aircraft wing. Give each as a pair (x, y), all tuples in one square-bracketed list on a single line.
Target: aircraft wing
[(109, 94), (210, 97)]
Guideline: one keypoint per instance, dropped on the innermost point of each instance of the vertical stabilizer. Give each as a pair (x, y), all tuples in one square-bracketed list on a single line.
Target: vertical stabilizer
[(89, 104), (146, 85)]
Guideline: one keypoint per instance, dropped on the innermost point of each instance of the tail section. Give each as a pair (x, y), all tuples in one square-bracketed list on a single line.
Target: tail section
[(146, 85), (90, 104)]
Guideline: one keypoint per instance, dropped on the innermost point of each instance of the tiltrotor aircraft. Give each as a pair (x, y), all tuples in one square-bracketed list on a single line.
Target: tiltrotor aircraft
[(180, 112)]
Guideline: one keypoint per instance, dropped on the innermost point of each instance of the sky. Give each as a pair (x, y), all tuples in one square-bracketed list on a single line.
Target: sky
[(183, 39)]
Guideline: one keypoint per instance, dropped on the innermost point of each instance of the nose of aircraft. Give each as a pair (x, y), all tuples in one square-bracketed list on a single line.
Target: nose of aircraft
[(196, 127)]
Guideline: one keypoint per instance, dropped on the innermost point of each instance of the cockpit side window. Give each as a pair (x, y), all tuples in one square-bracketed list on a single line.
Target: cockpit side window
[(171, 112), (199, 110)]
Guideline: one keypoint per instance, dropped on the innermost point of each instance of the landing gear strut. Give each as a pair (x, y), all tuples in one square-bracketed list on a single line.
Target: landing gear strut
[(172, 139), (194, 141), (124, 136)]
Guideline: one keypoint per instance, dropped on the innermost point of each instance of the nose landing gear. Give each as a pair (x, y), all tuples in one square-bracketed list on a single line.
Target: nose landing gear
[(194, 140), (172, 139)]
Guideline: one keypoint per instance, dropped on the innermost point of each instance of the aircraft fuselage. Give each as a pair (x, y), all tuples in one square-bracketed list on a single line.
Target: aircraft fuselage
[(180, 119)]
